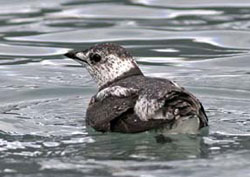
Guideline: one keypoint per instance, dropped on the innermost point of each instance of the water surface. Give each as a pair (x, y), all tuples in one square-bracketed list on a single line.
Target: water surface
[(203, 45)]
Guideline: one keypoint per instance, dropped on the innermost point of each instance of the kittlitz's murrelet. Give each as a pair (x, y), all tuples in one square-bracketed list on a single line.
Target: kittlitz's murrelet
[(129, 102)]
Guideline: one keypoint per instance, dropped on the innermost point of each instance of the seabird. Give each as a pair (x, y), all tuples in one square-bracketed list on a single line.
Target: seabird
[(129, 102)]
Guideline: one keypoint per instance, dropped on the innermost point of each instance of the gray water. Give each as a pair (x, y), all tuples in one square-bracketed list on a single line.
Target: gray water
[(203, 45)]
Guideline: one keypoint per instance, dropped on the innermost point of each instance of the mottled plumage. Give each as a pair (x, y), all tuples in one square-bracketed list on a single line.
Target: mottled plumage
[(129, 102)]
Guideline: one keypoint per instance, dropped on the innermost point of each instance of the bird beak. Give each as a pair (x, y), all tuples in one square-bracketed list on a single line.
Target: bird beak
[(78, 56), (71, 54)]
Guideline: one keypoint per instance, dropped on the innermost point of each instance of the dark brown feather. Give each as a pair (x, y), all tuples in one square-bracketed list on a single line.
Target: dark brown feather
[(117, 114)]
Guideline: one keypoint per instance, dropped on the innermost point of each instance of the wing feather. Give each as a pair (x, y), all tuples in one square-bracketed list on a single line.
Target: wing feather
[(169, 104), (100, 113)]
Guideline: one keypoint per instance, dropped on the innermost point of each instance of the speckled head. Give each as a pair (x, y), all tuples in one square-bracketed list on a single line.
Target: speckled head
[(106, 62)]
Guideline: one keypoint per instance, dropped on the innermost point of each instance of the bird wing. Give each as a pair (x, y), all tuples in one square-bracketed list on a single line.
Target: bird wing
[(136, 109), (109, 104), (165, 100)]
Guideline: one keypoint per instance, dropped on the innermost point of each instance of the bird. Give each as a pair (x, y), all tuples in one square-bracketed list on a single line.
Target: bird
[(127, 101)]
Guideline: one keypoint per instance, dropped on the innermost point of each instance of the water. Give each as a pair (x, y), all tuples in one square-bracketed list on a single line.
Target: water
[(203, 45)]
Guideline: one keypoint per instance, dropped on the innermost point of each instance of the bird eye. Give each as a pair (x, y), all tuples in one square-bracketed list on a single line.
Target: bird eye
[(95, 57)]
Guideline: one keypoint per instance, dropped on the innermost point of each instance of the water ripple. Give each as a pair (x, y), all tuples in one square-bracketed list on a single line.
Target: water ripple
[(117, 11), (21, 50), (202, 45), (193, 3), (217, 38)]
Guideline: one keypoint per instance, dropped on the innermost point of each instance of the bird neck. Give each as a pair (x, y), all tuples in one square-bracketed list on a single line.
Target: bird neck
[(132, 72)]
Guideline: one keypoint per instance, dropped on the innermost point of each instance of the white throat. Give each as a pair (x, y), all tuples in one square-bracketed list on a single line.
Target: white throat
[(113, 68)]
